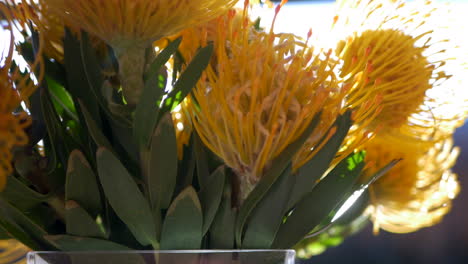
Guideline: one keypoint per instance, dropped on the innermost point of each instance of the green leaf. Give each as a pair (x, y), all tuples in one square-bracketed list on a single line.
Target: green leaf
[(81, 184), (52, 126), (210, 197), (318, 204), (162, 58), (186, 167), (94, 129), (21, 227), (222, 228), (61, 97), (278, 165), (203, 171), (162, 164), (79, 222), (147, 111), (76, 243), (189, 78), (267, 217), (380, 173), (21, 195), (310, 173), (125, 197), (78, 85), (182, 228)]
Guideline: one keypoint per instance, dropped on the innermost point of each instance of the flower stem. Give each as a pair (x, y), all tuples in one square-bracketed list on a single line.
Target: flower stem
[(132, 61)]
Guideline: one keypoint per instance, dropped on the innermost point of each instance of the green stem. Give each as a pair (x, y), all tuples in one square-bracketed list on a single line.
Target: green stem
[(132, 61)]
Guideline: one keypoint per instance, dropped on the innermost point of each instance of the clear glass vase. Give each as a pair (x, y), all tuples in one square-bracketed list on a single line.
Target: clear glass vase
[(164, 257)]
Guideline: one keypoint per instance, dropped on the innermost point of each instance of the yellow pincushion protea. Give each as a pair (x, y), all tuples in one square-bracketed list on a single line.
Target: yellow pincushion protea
[(261, 94), (391, 65), (12, 252), (15, 87), (417, 192), (131, 26), (135, 21), (389, 53)]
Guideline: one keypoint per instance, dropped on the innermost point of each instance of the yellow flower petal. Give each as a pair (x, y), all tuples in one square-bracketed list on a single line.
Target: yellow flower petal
[(418, 191), (259, 95), (117, 21)]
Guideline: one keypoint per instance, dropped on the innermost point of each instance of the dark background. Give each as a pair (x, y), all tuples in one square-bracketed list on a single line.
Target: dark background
[(446, 242)]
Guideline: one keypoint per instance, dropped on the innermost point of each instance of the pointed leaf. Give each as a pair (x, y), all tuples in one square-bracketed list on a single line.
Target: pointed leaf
[(222, 228), (188, 78), (147, 110), (79, 222), (268, 179), (182, 228), (78, 85), (125, 197), (81, 184), (267, 217), (308, 175), (18, 224), (21, 195), (203, 172), (94, 130), (318, 204), (163, 57), (162, 174), (380, 173), (210, 196)]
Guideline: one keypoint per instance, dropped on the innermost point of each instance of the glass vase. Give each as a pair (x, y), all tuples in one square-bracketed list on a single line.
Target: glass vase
[(164, 257)]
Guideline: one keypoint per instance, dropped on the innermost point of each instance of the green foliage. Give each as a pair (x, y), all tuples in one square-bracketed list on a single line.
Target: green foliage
[(111, 178), (182, 228)]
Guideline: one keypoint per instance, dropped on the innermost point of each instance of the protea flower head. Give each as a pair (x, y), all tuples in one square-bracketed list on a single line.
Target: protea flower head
[(260, 95), (417, 192), (388, 52), (131, 26)]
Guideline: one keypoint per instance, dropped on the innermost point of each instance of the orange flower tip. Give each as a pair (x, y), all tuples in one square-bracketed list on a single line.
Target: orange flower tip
[(367, 81), (378, 81), (379, 98), (335, 19), (354, 60), (231, 14), (368, 50), (369, 67), (309, 34), (277, 9), (246, 4), (246, 22), (283, 2)]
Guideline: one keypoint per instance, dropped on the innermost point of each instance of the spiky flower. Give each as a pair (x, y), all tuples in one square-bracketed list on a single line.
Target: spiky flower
[(418, 191), (261, 94), (130, 27), (389, 53), (15, 87)]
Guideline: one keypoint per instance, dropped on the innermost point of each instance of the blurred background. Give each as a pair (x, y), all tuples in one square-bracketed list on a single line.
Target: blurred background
[(446, 242)]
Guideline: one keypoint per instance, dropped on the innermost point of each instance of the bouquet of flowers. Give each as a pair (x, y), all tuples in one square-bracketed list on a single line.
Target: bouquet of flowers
[(168, 124)]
